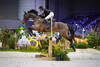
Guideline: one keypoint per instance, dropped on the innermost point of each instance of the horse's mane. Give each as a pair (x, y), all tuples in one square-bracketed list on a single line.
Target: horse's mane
[(33, 11)]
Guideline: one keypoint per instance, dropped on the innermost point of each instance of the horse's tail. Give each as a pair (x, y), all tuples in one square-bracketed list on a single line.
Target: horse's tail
[(71, 30)]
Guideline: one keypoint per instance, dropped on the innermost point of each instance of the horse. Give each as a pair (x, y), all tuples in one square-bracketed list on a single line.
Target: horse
[(40, 25)]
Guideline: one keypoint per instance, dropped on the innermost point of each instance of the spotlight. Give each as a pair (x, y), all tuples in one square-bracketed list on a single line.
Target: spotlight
[(83, 29), (76, 24)]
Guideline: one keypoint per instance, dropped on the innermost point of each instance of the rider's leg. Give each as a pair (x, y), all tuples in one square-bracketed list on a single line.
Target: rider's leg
[(51, 15)]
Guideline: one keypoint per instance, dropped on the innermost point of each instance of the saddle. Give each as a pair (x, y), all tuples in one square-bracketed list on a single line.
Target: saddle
[(54, 20), (48, 23)]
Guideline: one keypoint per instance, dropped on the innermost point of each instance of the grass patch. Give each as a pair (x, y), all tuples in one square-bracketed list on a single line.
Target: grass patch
[(21, 50), (69, 50)]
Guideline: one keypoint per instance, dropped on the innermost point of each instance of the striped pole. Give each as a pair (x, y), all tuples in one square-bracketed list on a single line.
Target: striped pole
[(78, 40)]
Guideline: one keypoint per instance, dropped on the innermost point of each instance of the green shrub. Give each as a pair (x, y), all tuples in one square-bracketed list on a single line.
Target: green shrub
[(5, 35), (76, 44), (59, 52), (63, 39), (9, 38), (81, 45), (11, 42), (98, 39), (69, 50), (44, 44), (44, 51), (92, 40), (64, 56)]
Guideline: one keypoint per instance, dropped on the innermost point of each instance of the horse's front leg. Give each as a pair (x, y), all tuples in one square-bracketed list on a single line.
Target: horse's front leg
[(29, 30), (32, 28), (39, 28)]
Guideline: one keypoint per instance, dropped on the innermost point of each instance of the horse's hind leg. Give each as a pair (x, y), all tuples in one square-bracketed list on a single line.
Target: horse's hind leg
[(72, 46), (71, 42)]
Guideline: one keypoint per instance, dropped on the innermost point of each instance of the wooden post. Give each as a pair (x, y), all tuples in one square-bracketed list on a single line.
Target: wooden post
[(50, 49)]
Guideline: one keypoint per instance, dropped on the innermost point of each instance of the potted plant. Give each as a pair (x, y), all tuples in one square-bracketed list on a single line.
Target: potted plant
[(57, 50), (63, 55), (59, 53)]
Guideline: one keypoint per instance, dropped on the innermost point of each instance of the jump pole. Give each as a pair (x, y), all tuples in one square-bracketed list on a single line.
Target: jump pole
[(50, 43), (51, 28)]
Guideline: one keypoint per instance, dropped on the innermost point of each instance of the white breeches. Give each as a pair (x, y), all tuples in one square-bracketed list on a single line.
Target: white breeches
[(51, 15)]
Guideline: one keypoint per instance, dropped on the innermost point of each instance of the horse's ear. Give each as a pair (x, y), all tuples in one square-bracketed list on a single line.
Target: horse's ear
[(24, 12)]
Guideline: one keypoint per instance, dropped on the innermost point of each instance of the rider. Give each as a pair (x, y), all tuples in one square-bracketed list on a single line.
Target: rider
[(46, 14)]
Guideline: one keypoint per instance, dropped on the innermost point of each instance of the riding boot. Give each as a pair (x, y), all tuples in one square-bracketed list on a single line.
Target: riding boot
[(47, 24), (45, 21)]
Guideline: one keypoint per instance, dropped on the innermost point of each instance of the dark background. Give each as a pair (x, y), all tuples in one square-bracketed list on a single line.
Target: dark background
[(66, 8), (62, 8), (8, 9)]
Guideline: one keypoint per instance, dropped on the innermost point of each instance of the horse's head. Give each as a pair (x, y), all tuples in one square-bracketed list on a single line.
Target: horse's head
[(33, 11), (30, 14), (25, 18)]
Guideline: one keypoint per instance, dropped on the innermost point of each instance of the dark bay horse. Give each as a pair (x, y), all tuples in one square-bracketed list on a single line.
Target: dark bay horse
[(40, 26)]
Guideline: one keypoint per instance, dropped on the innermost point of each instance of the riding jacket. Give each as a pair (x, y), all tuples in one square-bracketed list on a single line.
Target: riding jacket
[(45, 13)]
